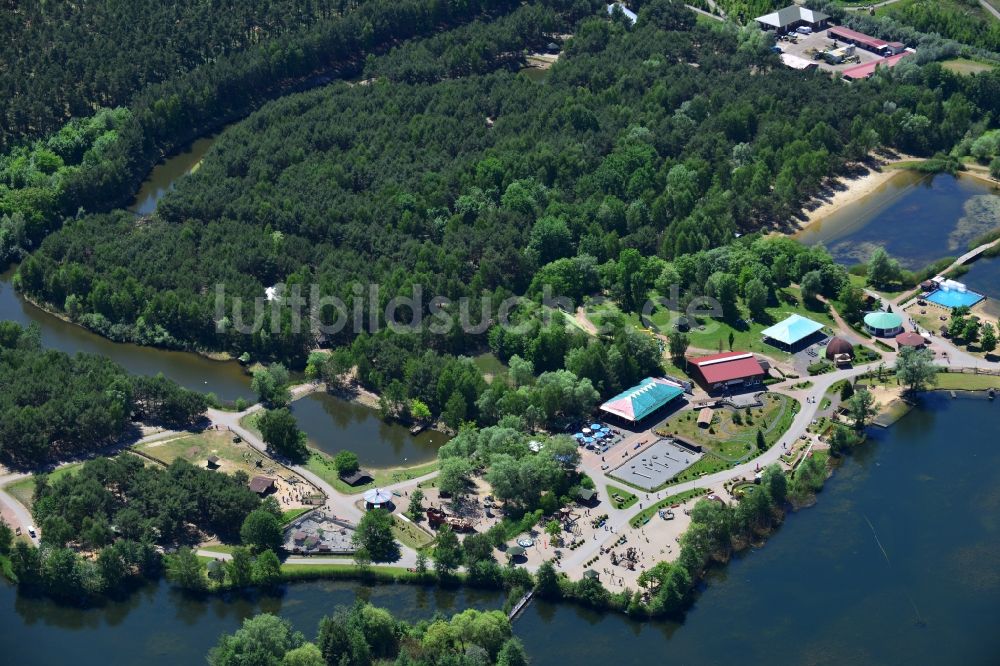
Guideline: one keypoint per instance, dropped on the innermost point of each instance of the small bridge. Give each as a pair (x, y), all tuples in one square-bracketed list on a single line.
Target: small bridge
[(520, 605)]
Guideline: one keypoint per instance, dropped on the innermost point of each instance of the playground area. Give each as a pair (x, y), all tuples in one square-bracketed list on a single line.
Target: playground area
[(319, 534), (218, 450)]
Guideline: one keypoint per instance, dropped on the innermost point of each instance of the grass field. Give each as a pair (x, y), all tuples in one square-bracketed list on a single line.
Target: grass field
[(24, 490), (627, 496), (956, 381), (490, 366), (196, 448), (713, 334), (649, 512), (409, 534), (321, 465), (733, 441), (966, 66)]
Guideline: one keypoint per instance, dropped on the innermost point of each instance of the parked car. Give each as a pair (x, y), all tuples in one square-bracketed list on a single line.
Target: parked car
[(31, 531), (804, 30)]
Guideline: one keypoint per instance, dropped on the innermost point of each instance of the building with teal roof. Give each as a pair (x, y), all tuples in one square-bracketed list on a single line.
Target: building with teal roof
[(640, 401), (791, 332), (884, 324)]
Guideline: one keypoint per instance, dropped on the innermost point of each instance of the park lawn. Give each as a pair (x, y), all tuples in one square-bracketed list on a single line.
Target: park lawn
[(957, 381), (629, 498), (218, 548), (322, 466), (647, 513), (966, 66), (197, 447), (289, 515), (350, 571), (24, 490), (409, 534), (727, 439), (714, 334), (490, 366), (597, 313)]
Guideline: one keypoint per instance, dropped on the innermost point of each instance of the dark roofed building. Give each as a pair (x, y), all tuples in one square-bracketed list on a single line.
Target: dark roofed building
[(910, 339), (359, 477), (586, 495), (838, 346), (212, 462), (730, 370), (262, 485)]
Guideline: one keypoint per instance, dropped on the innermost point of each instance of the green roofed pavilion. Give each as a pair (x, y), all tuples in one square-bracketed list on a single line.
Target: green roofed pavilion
[(640, 401), (884, 324), (792, 330)]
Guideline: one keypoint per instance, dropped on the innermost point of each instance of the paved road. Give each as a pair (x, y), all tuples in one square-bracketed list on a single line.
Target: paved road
[(990, 8), (13, 511), (618, 519)]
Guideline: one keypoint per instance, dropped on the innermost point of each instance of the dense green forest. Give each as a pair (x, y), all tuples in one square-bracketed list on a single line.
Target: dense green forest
[(475, 184), (364, 635), (41, 185), (65, 59), (962, 20), (55, 405), (121, 508)]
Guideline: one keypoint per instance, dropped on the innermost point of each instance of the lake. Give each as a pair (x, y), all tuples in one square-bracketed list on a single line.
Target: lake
[(918, 218), (224, 378), (984, 276), (163, 176), (333, 425), (896, 564)]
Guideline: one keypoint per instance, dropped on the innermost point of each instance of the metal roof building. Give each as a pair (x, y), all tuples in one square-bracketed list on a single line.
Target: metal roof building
[(629, 14), (792, 17), (863, 71), (731, 369), (640, 401), (884, 324), (792, 330)]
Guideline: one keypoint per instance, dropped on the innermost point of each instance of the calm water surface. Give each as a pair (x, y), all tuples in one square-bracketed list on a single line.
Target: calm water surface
[(897, 564), (163, 176), (226, 379), (334, 425), (917, 218), (984, 277)]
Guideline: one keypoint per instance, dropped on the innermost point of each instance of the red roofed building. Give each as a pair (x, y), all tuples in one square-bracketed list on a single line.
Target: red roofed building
[(732, 370), (868, 68)]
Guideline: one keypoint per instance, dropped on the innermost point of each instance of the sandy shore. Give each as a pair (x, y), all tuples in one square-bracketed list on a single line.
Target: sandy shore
[(849, 190)]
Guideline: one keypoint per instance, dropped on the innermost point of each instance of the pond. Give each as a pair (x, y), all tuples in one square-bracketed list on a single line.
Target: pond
[(163, 176), (897, 563), (334, 424), (224, 378), (918, 218)]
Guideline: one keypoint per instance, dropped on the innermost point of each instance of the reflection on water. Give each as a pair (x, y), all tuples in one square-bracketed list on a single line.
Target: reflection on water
[(897, 563), (333, 425), (917, 218), (163, 176), (226, 379)]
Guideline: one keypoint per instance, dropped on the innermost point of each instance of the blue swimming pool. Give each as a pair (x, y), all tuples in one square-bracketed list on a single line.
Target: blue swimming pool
[(952, 298)]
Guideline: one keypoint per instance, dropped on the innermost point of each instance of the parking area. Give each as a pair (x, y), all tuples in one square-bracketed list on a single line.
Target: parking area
[(808, 46), (656, 465)]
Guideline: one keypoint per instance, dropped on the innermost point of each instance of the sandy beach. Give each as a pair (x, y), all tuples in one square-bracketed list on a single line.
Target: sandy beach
[(847, 191)]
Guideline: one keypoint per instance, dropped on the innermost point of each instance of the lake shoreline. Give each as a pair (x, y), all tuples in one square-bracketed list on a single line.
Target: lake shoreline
[(849, 189)]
